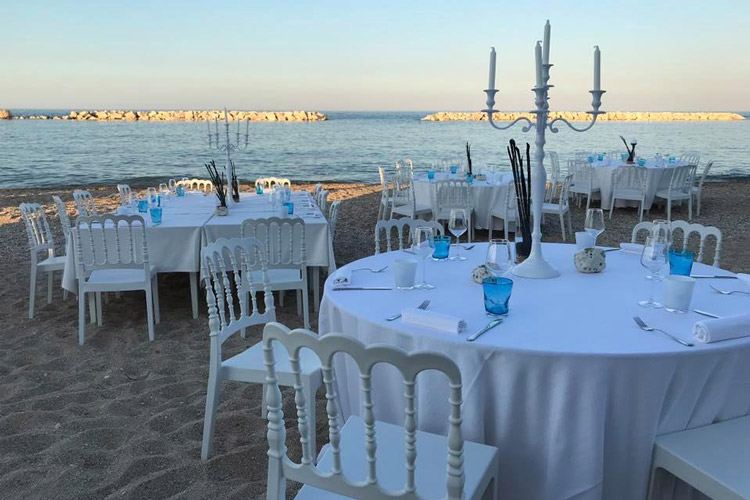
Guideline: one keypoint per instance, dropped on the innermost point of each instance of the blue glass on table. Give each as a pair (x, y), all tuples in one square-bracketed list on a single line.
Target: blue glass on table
[(497, 294), (641, 162), (454, 169), (470, 178), (431, 174), (681, 262), (672, 159), (259, 189), (289, 207), (180, 191), (142, 206), (442, 245), (156, 215), (600, 157), (624, 157)]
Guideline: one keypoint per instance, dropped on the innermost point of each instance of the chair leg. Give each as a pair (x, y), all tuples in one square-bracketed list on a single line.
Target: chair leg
[(49, 287), (263, 407), (244, 301), (150, 312), (588, 201), (92, 307), (306, 307), (570, 225), (562, 224), (492, 223), (99, 318), (194, 293), (65, 294), (690, 208), (32, 290), (640, 219), (611, 206), (209, 419), (81, 315), (669, 210), (698, 203), (281, 298), (155, 293), (298, 296)]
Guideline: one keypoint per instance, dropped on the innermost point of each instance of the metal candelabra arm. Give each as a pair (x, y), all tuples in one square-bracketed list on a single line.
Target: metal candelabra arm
[(595, 104), (490, 111)]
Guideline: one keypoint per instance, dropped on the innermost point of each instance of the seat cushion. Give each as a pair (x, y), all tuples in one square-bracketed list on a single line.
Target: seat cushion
[(125, 277), (432, 450), (52, 263), (248, 366)]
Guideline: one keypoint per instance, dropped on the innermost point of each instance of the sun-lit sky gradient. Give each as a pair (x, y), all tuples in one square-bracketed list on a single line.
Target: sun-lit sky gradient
[(377, 55)]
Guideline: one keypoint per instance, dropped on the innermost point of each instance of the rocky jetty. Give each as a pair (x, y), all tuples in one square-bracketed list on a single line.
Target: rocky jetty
[(580, 116), (179, 116), (5, 114)]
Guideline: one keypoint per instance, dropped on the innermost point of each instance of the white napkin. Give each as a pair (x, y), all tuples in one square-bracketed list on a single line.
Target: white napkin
[(343, 278), (728, 327), (631, 248), (431, 319)]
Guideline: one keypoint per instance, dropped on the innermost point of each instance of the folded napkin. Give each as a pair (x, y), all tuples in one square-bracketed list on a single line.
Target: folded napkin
[(431, 319), (631, 248), (343, 278), (728, 327)]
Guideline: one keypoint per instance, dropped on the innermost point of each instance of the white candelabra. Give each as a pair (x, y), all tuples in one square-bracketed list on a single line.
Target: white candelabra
[(535, 266), (227, 146)]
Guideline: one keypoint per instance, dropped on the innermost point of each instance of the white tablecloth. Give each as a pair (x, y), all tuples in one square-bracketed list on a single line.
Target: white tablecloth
[(484, 192), (657, 177), (568, 387)]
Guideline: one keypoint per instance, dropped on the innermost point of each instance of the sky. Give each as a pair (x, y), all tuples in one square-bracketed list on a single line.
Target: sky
[(370, 55)]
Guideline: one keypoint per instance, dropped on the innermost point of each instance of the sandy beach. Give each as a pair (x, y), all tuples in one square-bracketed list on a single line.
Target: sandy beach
[(121, 417)]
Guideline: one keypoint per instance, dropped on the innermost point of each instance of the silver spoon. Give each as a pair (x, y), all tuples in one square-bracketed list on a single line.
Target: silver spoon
[(729, 292)]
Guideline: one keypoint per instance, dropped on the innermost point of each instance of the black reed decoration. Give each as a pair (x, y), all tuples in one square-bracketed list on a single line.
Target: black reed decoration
[(235, 184), (631, 151), (522, 182), (219, 182), (468, 156)]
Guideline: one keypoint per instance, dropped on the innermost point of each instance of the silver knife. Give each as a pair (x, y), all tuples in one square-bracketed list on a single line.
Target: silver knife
[(712, 276), (363, 288), (492, 324), (704, 313)]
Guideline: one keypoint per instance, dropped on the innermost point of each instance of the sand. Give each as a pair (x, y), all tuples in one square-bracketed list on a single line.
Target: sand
[(121, 417)]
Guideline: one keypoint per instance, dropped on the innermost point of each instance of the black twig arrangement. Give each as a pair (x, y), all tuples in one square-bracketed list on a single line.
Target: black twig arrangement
[(235, 185), (631, 150), (522, 182), (468, 156), (220, 184)]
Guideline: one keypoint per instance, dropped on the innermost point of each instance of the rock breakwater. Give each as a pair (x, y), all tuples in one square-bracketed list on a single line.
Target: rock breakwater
[(177, 116), (580, 116)]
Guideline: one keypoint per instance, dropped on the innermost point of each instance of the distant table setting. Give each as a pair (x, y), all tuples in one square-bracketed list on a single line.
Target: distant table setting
[(570, 377), (655, 177)]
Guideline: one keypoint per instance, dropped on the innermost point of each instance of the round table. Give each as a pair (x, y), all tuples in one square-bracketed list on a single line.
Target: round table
[(657, 177), (569, 389), (485, 193)]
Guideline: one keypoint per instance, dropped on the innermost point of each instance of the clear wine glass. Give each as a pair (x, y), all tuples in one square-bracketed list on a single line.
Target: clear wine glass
[(653, 258), (423, 245), (661, 231), (457, 224), (594, 224), (499, 259)]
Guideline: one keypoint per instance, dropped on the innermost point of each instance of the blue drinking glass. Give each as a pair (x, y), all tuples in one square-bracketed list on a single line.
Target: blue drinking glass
[(180, 191), (156, 215), (624, 157), (591, 159), (142, 206), (681, 262), (289, 207), (642, 162), (497, 294), (259, 189), (431, 174), (454, 169), (470, 178), (442, 246), (672, 159), (600, 157)]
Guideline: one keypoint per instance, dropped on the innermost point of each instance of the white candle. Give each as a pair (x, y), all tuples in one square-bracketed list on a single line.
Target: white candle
[(547, 30), (493, 59), (538, 59), (597, 69)]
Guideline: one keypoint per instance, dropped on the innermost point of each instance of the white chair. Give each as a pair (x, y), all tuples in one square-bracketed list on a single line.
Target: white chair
[(386, 199), (629, 183), (229, 312), (450, 194), (84, 203), (366, 458), (680, 189), (316, 191), (553, 176), (112, 256), (388, 226), (562, 207), (62, 214), (283, 242), (322, 201), (199, 185), (406, 166), (687, 229), (697, 187), (714, 459), (125, 194), (333, 216), (505, 208), (690, 158), (404, 201), (269, 182), (40, 241), (583, 182)]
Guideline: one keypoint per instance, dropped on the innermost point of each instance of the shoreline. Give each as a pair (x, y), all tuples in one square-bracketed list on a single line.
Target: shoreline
[(172, 116), (582, 116)]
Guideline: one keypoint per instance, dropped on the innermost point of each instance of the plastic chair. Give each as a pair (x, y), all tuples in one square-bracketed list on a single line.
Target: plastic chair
[(387, 227)]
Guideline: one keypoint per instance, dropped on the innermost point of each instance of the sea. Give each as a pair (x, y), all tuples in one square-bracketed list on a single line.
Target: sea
[(349, 147)]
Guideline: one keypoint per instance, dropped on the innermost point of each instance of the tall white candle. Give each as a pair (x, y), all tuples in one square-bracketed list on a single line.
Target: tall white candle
[(538, 59), (597, 69), (547, 30), (493, 60)]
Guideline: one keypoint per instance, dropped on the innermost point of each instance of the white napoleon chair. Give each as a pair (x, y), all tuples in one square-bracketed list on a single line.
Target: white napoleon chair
[(234, 304), (583, 182), (62, 214), (200, 185), (283, 242), (562, 207), (84, 203), (713, 459), (687, 229), (367, 458), (692, 159), (112, 256), (125, 194), (404, 200), (269, 182), (40, 241), (450, 194), (629, 183), (322, 201), (679, 190), (318, 188), (553, 176), (386, 198), (398, 225), (405, 166), (333, 216), (504, 207), (697, 186)]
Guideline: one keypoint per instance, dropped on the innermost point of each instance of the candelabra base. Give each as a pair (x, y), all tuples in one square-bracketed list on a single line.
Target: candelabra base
[(535, 267)]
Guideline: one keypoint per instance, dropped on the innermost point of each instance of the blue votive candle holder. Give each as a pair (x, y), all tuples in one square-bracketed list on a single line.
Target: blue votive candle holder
[(156, 215), (672, 159), (259, 189), (431, 174), (591, 159), (442, 246), (142, 206), (642, 162), (180, 191), (454, 169), (681, 262), (497, 294)]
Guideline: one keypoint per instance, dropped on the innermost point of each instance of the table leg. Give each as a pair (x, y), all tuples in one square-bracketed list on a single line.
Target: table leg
[(194, 293), (316, 287)]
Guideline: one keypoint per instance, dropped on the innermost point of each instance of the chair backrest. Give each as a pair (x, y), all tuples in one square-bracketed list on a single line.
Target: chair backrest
[(409, 365), (333, 215), (317, 190), (125, 194), (406, 166), (687, 229), (388, 226), (62, 214), (227, 262), (203, 185), (282, 240), (322, 201), (629, 177), (269, 182), (704, 174), (583, 174), (553, 176), (564, 199), (37, 228), (110, 242), (452, 193), (680, 182), (84, 203), (692, 159)]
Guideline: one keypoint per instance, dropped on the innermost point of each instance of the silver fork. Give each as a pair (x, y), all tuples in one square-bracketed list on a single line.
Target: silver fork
[(729, 292), (371, 269), (422, 306), (644, 326)]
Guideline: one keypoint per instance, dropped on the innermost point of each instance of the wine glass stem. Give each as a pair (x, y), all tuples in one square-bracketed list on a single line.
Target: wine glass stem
[(424, 271), (458, 248), (651, 288)]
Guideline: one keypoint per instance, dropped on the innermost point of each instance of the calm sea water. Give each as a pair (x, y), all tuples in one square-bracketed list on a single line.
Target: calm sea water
[(348, 147)]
